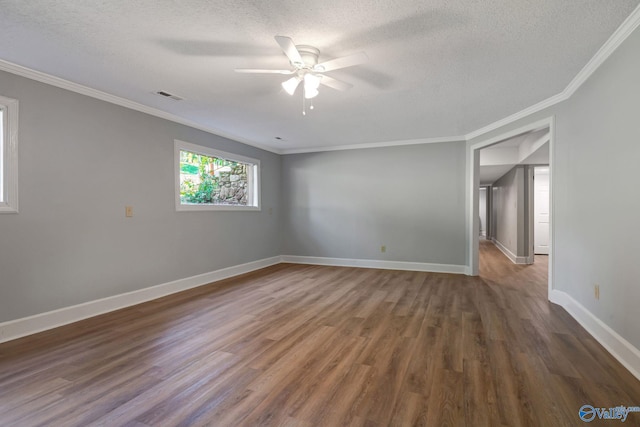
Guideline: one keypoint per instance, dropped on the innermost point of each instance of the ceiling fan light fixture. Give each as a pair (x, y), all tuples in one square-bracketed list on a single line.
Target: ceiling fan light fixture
[(310, 93), (311, 84), (311, 81), (291, 85)]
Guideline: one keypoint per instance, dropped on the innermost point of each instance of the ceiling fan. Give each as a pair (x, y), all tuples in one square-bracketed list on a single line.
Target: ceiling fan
[(304, 60)]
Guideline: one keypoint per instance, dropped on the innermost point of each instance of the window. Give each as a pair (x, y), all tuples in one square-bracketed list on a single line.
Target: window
[(8, 155), (208, 179)]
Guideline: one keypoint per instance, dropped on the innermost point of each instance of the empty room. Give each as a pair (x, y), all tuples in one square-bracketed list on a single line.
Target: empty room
[(319, 214)]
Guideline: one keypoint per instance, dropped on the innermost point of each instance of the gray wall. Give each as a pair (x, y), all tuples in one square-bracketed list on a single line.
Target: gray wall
[(599, 150), (509, 208), (595, 156), (482, 210), (346, 204), (81, 161)]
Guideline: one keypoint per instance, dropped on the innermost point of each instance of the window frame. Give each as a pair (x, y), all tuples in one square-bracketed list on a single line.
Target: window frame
[(212, 152), (8, 155)]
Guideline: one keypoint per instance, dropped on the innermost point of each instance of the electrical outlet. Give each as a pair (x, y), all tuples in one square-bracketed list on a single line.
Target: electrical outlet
[(383, 248), (128, 211), (596, 291)]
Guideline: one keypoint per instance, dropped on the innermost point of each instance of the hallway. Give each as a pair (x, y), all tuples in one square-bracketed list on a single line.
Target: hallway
[(529, 279)]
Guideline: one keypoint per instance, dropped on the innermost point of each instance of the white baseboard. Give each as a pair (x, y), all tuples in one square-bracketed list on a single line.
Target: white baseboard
[(513, 257), (18, 328), (372, 263), (41, 322), (621, 349)]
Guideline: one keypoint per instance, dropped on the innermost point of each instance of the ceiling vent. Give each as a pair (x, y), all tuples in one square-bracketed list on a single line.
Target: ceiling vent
[(168, 95)]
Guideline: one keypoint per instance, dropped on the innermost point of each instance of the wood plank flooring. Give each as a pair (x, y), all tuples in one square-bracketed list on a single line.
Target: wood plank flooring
[(296, 345)]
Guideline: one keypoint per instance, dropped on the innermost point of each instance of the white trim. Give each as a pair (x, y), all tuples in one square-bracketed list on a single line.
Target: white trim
[(513, 257), (529, 127), (9, 156), (559, 297), (374, 145), (621, 349), (472, 208), (123, 102), (617, 38), (373, 263), (616, 345), (41, 322), (253, 176), (18, 328), (552, 203), (549, 102), (610, 46), (210, 207)]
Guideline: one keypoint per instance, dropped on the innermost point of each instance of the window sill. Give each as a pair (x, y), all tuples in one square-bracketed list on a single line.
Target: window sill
[(192, 208)]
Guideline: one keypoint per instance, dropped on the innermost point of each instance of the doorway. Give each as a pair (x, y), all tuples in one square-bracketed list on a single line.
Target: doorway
[(524, 143)]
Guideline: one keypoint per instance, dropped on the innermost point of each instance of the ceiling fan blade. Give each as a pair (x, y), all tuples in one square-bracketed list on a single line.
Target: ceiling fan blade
[(258, 71), (289, 48), (335, 84), (344, 62)]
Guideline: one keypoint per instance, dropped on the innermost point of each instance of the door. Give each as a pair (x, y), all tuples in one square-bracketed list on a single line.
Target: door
[(541, 211)]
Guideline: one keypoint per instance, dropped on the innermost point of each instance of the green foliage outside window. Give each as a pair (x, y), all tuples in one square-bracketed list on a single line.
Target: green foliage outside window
[(211, 180)]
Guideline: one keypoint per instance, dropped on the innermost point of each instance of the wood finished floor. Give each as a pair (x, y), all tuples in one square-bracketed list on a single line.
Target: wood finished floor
[(296, 345)]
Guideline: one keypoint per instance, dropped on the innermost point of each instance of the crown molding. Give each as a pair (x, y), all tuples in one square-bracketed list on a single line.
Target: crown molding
[(617, 38), (610, 46), (374, 145), (517, 116), (123, 102), (625, 29)]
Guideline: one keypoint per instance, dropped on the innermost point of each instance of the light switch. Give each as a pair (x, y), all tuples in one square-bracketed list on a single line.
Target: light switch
[(128, 211)]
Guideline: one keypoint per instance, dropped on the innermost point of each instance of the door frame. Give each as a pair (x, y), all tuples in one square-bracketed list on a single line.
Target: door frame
[(473, 185)]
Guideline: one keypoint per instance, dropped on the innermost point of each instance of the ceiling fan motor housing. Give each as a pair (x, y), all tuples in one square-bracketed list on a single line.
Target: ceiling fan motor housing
[(309, 56)]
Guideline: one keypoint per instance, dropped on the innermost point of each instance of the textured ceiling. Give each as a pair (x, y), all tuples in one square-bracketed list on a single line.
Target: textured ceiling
[(437, 68)]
